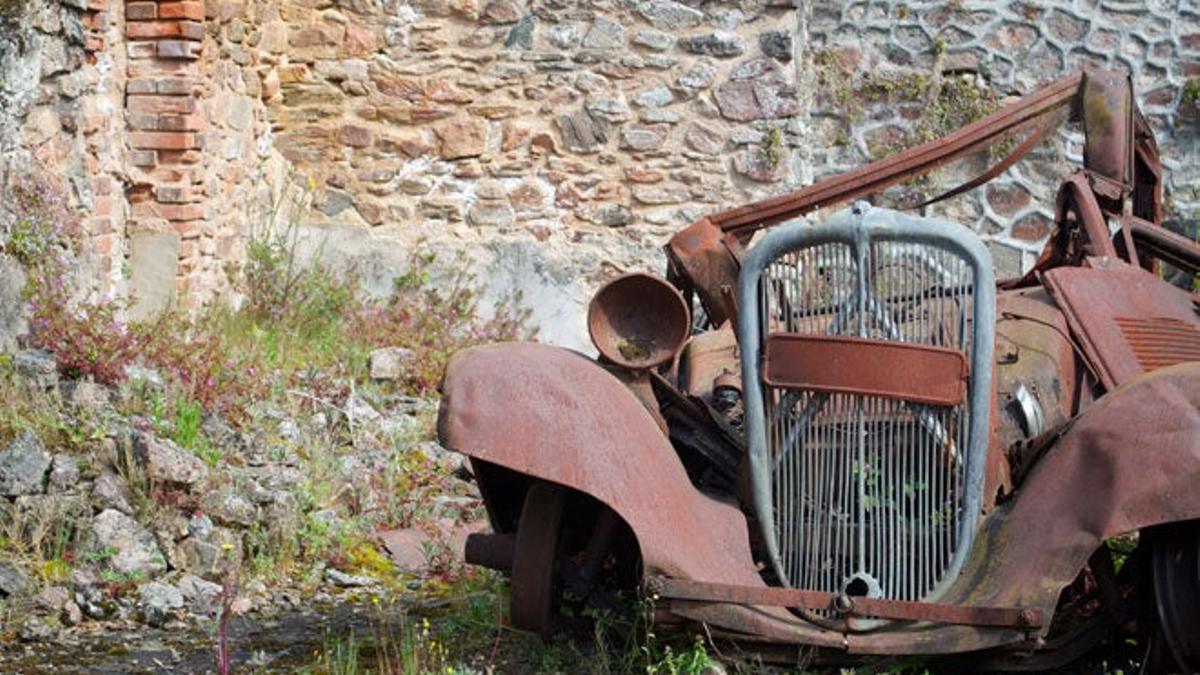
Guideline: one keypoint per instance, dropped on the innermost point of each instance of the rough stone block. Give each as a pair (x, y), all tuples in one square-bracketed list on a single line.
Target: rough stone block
[(153, 265)]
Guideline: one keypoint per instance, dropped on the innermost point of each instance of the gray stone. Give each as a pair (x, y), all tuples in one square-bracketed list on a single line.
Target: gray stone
[(86, 396), (776, 44), (654, 97), (344, 580), (563, 36), (154, 267), (38, 366), (644, 137), (52, 599), (581, 132), (23, 466), (704, 139), (200, 526), (201, 597), (230, 508), (717, 43), (164, 461), (521, 35), (109, 492), (669, 15), (611, 109), (491, 213), (157, 602), (754, 164), (604, 34), (12, 580), (35, 629), (767, 95), (389, 363), (652, 115), (700, 76), (132, 547), (608, 215), (335, 202), (653, 40), (13, 322), (64, 474)]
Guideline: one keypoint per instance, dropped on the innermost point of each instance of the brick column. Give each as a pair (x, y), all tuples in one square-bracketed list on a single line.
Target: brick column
[(167, 193)]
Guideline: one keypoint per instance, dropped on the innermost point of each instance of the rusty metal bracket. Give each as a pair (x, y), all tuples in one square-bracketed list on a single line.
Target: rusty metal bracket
[(1026, 618)]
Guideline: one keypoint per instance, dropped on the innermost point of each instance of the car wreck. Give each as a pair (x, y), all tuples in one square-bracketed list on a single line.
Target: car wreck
[(863, 444)]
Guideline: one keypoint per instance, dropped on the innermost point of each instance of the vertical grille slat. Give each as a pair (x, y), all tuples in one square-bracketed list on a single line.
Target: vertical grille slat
[(868, 494)]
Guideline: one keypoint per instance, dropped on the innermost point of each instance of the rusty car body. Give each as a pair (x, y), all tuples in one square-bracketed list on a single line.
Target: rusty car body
[(863, 444)]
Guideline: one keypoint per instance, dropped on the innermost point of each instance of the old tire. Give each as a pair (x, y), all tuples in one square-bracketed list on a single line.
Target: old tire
[(1173, 557), (534, 587)]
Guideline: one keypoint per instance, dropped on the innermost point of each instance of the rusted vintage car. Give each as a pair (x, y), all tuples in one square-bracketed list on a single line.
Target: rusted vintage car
[(859, 443)]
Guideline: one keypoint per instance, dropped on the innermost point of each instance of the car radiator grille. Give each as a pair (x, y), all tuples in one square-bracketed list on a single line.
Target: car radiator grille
[(868, 494)]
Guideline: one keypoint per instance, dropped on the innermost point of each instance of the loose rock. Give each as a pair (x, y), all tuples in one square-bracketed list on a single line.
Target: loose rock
[(389, 363), (12, 580), (23, 466), (167, 462), (132, 547), (157, 602)]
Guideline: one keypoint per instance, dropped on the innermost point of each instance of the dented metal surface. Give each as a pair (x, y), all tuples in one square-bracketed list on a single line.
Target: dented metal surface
[(1090, 423)]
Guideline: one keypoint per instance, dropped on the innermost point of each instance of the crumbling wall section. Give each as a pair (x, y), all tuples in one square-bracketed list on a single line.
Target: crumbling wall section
[(62, 81)]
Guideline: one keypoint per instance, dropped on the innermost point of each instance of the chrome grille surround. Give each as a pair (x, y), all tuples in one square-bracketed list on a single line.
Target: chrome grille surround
[(855, 493)]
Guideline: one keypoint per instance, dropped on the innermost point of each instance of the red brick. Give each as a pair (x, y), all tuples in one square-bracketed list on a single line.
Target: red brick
[(159, 68), (180, 105), (157, 30), (180, 156), (171, 86), (95, 21), (180, 123), (178, 194), (141, 11), (182, 10), (181, 211), (175, 49), (142, 50), (143, 121), (97, 5), (189, 229), (143, 158), (102, 185), (163, 140)]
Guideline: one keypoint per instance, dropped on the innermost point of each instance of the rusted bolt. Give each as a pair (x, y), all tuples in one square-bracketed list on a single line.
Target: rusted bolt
[(1028, 618), (843, 603)]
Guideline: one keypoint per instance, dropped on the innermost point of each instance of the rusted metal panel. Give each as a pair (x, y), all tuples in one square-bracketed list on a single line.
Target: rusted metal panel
[(1094, 298), (897, 370), (1107, 103), (902, 610), (555, 415)]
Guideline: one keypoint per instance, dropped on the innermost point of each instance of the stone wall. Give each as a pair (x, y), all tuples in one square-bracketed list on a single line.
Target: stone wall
[(545, 144), (889, 74), (61, 91)]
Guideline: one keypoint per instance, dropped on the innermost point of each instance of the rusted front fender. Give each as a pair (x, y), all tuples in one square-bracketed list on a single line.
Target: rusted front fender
[(553, 414), (1130, 461)]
